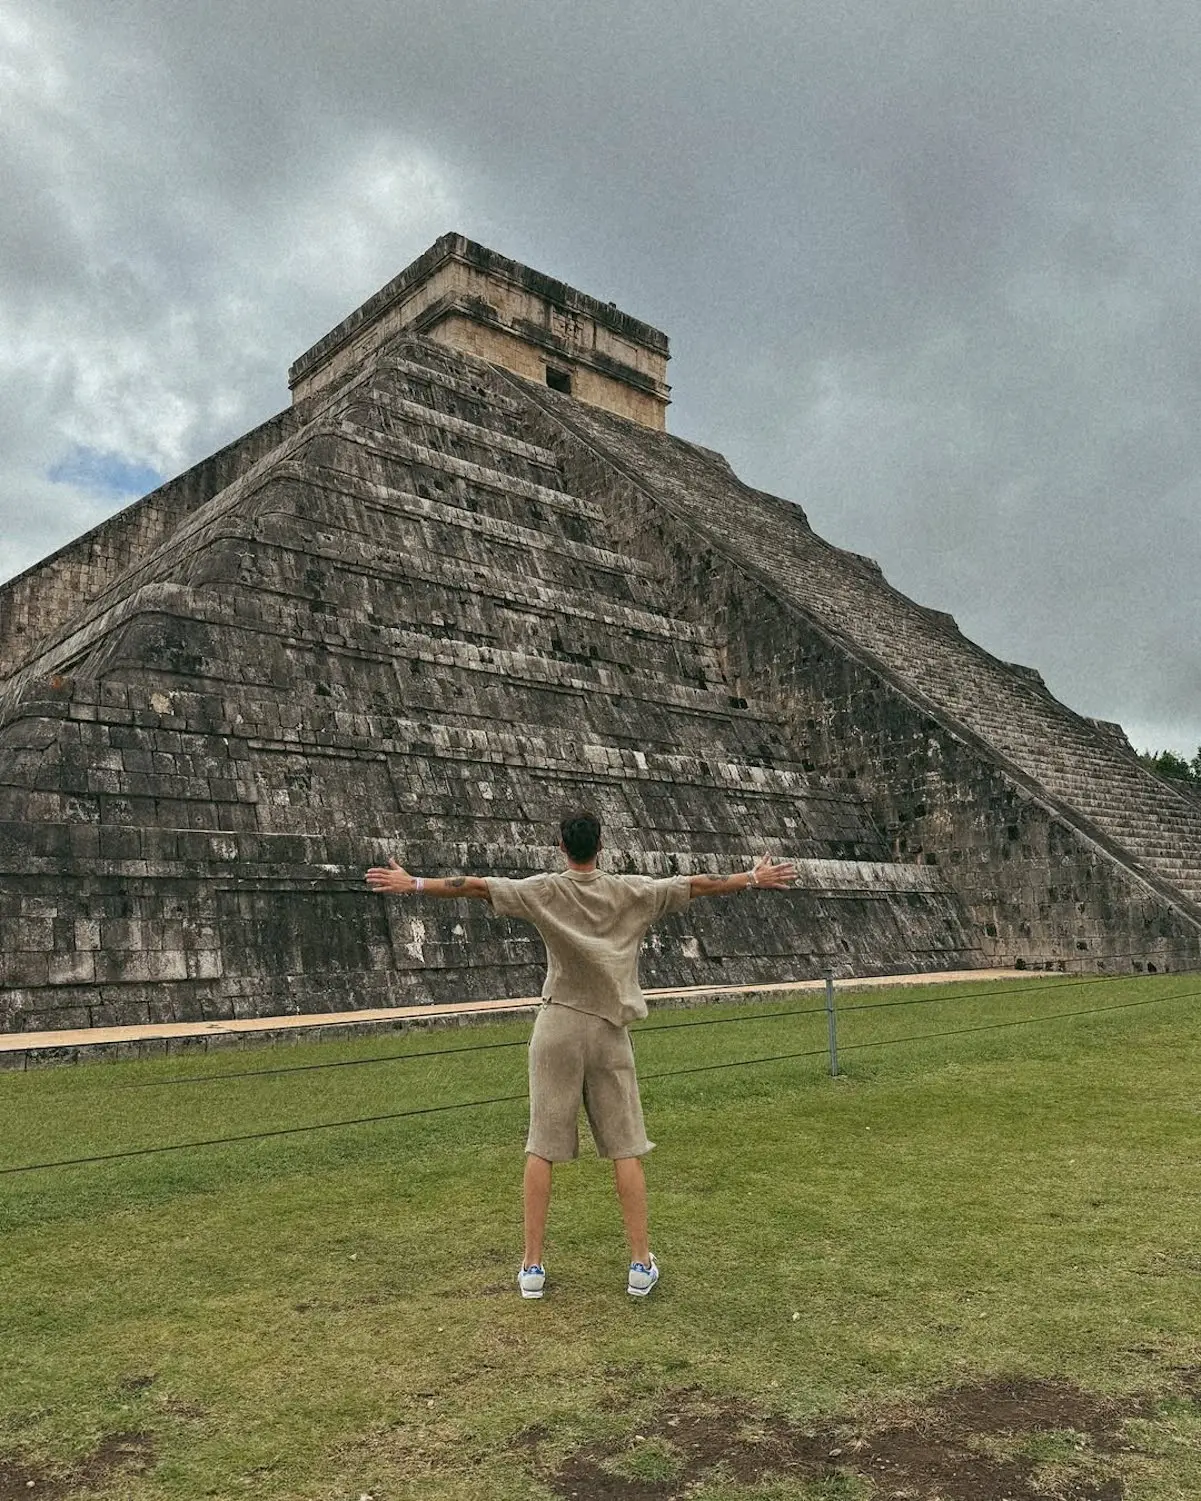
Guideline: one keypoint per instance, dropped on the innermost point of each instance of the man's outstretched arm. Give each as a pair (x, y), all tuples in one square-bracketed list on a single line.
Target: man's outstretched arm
[(768, 875), (393, 879)]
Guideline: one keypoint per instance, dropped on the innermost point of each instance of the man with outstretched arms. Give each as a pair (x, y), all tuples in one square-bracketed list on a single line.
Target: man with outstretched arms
[(592, 924)]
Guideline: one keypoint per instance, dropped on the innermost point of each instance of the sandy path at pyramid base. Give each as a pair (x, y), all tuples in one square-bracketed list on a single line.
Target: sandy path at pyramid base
[(133, 1038)]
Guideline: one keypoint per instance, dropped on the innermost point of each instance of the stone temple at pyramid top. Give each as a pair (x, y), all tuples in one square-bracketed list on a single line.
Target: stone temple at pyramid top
[(470, 298)]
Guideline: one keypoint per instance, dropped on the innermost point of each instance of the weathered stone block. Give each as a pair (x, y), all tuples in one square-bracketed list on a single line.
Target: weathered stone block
[(71, 968)]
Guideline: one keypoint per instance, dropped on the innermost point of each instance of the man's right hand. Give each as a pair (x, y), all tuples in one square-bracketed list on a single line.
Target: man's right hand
[(394, 880), (773, 875), (392, 877)]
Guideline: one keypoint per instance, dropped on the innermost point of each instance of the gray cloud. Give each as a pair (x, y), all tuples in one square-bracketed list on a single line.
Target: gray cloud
[(931, 270)]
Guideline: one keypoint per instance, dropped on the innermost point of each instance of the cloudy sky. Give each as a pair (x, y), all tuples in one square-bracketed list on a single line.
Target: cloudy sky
[(932, 269)]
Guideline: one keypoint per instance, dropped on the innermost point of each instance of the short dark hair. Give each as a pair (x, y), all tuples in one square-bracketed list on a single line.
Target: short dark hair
[(581, 833)]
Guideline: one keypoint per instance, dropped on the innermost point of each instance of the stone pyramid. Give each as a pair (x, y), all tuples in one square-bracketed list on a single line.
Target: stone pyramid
[(466, 582)]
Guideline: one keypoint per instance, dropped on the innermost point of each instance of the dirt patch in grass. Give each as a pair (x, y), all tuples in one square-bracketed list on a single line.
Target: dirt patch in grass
[(32, 1482), (964, 1444)]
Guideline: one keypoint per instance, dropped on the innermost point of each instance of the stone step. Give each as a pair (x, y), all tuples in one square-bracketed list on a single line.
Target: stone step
[(540, 598), (537, 668), (1130, 824), (459, 493), (473, 432), (528, 747), (533, 539), (395, 447), (530, 539), (457, 675), (385, 427), (218, 603), (432, 781), (491, 412), (477, 391)]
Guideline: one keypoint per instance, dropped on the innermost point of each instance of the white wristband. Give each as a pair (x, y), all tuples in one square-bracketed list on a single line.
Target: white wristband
[(418, 883)]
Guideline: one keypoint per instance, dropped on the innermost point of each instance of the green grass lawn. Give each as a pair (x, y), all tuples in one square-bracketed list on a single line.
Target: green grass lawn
[(334, 1314)]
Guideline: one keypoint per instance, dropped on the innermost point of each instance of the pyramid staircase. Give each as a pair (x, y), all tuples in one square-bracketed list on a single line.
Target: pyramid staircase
[(1084, 772)]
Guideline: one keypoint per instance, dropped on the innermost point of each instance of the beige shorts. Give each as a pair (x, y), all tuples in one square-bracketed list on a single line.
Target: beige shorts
[(575, 1055)]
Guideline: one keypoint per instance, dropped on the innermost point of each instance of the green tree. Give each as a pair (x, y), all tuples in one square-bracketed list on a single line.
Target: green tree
[(1168, 764)]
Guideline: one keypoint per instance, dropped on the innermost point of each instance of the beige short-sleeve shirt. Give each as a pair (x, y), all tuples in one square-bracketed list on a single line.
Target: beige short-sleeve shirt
[(592, 924)]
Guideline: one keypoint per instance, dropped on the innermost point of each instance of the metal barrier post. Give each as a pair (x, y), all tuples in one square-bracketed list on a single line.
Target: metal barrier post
[(832, 1025)]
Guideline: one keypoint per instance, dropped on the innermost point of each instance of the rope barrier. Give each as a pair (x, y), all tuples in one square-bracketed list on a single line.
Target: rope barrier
[(482, 1047), (366, 1120), (1024, 1021), (307, 1068), (225, 1141), (885, 1042), (1055, 982)]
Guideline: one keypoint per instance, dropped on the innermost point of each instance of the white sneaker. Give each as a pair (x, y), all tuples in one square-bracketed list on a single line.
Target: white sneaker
[(531, 1280), (642, 1278)]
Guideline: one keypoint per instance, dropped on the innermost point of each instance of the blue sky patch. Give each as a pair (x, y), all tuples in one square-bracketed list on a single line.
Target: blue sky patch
[(104, 473)]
